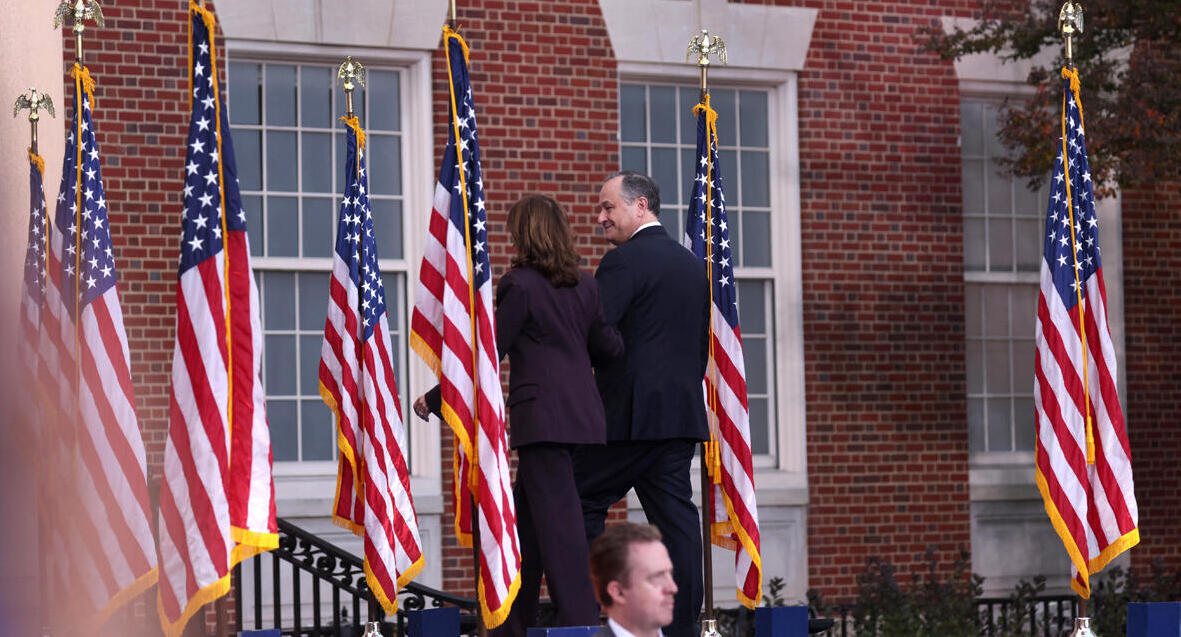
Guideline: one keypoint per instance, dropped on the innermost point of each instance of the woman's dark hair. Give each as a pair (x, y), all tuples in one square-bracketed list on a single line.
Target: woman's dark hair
[(544, 240)]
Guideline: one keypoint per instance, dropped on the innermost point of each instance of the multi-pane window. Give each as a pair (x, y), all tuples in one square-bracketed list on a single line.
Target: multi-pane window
[(1003, 221), (658, 137), (290, 148)]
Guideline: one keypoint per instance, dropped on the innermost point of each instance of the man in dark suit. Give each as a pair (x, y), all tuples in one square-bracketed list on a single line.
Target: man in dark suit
[(655, 292), (633, 581)]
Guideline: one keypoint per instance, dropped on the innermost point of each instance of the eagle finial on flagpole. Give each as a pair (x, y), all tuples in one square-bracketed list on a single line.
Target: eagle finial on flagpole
[(349, 71), (78, 12), (1070, 23), (34, 101), (704, 46)]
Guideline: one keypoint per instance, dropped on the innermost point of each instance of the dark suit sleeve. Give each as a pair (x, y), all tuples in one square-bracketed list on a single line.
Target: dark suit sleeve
[(603, 341), (512, 311), (616, 286), (434, 400)]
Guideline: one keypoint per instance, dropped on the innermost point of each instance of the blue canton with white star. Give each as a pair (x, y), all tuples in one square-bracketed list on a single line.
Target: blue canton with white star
[(469, 151), (700, 211), (355, 243), (203, 206), (35, 275), (88, 264), (1058, 245)]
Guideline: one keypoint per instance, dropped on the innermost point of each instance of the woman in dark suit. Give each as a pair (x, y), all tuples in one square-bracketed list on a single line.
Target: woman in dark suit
[(549, 323)]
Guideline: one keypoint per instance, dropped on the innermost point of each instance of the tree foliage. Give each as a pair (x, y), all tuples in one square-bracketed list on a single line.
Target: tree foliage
[(1129, 60)]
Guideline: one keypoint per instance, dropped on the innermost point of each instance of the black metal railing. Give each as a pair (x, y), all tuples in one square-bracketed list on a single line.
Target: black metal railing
[(318, 589), (1045, 616)]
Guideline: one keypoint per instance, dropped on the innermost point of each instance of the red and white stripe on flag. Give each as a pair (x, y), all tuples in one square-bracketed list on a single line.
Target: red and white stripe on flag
[(217, 499), (453, 330), (1083, 459), (357, 382)]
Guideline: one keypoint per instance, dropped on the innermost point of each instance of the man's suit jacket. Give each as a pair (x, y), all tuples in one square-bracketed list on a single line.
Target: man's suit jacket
[(550, 336), (654, 290)]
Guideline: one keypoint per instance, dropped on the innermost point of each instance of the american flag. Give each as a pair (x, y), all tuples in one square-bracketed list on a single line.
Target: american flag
[(98, 446), (735, 522), (453, 331), (33, 290), (1084, 466), (357, 381), (217, 498)]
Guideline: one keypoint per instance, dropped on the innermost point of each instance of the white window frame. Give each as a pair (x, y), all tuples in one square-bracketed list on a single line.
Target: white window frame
[(782, 480), (302, 486)]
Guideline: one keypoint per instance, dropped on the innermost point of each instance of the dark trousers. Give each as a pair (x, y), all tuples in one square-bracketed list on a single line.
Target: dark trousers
[(659, 472), (549, 525)]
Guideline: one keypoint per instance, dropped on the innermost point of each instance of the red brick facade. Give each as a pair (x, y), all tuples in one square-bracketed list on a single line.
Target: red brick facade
[(887, 447)]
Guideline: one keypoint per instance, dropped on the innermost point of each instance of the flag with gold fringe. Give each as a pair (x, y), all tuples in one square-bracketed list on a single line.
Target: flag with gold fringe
[(1083, 460), (453, 330)]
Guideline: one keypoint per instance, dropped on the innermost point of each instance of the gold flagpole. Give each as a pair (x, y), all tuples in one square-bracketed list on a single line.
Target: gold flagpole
[(1070, 23), (704, 46)]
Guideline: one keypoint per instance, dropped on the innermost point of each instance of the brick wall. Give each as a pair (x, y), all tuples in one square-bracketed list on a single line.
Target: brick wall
[(883, 294), (546, 93), (1152, 319)]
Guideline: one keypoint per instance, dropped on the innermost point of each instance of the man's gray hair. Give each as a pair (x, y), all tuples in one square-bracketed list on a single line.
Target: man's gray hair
[(636, 185)]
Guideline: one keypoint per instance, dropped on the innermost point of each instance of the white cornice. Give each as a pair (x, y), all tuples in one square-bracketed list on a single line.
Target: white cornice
[(400, 24), (757, 36)]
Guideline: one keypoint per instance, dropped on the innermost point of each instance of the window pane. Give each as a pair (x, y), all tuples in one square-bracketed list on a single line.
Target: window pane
[(280, 95), (756, 181), (753, 115), (992, 123), (756, 239), (385, 164), (1000, 245), (974, 245), (1023, 367), (254, 225), (284, 426), (973, 181), (282, 227), (634, 158), (248, 158), (632, 124), (280, 365), (318, 430), (1000, 191), (278, 291), (664, 171), (689, 98), (317, 162), (1024, 304), (976, 425), (760, 426), (282, 161), (971, 125), (315, 96), (1000, 437), (1023, 423), (309, 360), (319, 218), (245, 92), (1029, 244), (662, 113), (997, 379), (974, 366), (752, 307), (973, 319), (313, 302), (996, 300), (385, 101), (387, 227), (754, 351), (673, 220)]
